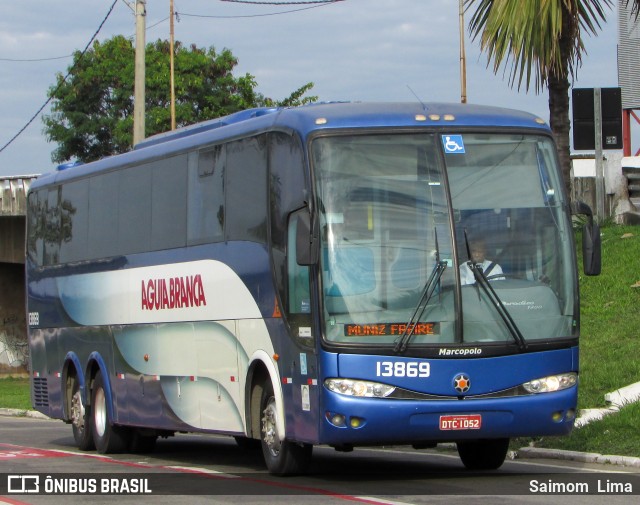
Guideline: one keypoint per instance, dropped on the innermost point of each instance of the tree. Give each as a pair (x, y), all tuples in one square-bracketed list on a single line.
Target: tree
[(92, 110), (542, 40)]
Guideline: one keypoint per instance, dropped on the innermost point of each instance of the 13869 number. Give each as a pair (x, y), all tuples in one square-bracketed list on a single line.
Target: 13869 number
[(403, 369)]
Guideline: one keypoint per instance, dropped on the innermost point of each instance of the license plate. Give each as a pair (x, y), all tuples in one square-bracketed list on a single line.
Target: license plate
[(463, 422)]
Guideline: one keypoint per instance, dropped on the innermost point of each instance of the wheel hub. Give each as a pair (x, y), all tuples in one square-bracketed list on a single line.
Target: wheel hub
[(100, 413), (77, 411), (269, 428)]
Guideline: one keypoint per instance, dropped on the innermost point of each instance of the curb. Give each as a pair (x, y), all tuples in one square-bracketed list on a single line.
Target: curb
[(22, 413), (583, 457)]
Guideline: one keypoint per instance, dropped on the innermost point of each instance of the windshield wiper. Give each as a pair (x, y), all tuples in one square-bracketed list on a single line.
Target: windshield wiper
[(403, 340), (427, 292), (483, 282)]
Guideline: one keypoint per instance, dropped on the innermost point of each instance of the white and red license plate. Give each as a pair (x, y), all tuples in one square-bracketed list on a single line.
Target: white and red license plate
[(461, 422)]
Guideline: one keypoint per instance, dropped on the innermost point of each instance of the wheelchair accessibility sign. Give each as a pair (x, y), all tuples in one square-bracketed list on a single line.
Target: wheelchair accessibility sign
[(453, 144)]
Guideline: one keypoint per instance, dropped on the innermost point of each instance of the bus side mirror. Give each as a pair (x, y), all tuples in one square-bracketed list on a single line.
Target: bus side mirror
[(591, 242), (307, 240)]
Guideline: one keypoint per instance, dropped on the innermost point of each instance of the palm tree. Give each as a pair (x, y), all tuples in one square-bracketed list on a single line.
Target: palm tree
[(542, 40)]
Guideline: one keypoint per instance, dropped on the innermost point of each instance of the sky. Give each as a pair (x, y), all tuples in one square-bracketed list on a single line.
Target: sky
[(354, 50)]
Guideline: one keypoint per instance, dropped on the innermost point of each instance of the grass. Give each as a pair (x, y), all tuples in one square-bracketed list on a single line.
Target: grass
[(15, 394), (610, 322), (610, 318)]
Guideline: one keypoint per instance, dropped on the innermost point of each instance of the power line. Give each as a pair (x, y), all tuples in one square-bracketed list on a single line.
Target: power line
[(14, 60), (63, 80), (32, 60), (320, 4), (316, 4), (282, 3), (157, 23), (312, 3), (251, 15)]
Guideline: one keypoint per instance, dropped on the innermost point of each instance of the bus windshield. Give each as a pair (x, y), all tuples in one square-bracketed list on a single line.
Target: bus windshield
[(443, 239)]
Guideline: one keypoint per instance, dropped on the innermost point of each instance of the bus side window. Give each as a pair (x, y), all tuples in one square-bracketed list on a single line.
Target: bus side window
[(298, 298), (205, 215), (53, 232), (245, 185), (36, 227), (299, 295), (287, 193)]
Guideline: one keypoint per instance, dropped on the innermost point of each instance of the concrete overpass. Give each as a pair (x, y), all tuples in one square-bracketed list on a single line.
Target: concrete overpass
[(13, 327)]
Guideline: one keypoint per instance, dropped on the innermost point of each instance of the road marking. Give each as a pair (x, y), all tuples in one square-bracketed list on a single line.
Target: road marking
[(206, 471), (28, 453), (381, 501), (10, 501), (304, 489)]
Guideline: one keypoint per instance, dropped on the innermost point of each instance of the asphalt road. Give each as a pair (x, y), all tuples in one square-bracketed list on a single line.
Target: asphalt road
[(189, 469)]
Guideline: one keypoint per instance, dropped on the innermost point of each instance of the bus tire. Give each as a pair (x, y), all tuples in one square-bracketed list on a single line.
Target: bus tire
[(483, 454), (107, 437), (282, 457), (81, 419)]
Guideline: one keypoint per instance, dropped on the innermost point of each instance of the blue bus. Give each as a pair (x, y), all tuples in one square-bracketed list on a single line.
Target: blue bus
[(345, 274)]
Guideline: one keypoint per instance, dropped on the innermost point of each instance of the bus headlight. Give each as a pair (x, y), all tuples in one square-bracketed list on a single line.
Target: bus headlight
[(552, 383), (354, 387)]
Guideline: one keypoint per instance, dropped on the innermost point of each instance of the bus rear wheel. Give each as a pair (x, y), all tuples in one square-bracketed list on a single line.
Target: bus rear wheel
[(107, 437), (281, 456), (483, 454), (80, 418)]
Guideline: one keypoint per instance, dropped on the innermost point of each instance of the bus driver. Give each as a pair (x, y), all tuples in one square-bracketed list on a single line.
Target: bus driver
[(478, 252)]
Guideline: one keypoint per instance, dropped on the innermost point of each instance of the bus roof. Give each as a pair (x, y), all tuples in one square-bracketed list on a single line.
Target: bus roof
[(410, 114), (358, 114), (305, 120)]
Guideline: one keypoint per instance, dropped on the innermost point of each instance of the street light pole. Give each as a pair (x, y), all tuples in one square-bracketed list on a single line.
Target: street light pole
[(463, 62), (171, 66), (597, 126), (139, 79)]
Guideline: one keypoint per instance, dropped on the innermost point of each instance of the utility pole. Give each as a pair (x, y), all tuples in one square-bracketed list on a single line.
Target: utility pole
[(463, 62), (171, 66), (597, 122), (139, 79)]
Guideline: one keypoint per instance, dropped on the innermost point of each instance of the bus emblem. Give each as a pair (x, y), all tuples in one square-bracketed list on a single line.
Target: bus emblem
[(461, 383)]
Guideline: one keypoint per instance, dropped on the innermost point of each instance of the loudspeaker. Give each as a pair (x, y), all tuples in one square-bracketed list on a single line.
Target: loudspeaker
[(584, 118)]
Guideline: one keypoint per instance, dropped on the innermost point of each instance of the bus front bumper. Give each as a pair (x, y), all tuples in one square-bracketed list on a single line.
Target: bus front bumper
[(365, 421)]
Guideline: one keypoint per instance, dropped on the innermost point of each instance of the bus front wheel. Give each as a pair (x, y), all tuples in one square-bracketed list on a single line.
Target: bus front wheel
[(281, 456), (107, 437), (483, 454)]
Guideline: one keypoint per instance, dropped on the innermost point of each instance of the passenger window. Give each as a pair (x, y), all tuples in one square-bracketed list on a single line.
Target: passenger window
[(206, 195)]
